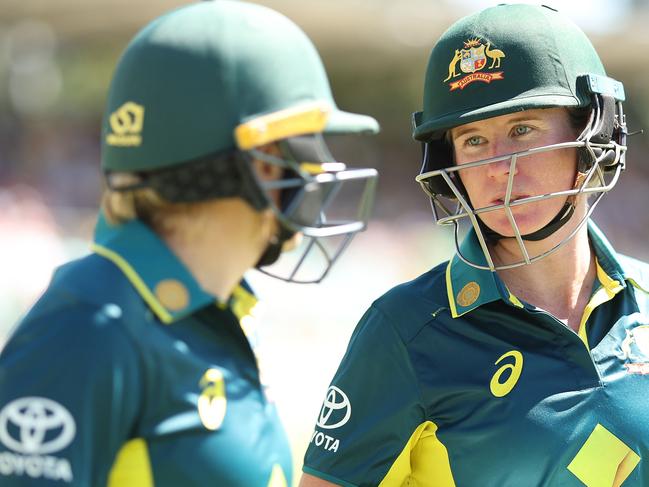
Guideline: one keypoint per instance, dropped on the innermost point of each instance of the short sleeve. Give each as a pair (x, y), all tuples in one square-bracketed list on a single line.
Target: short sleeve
[(69, 394), (371, 409)]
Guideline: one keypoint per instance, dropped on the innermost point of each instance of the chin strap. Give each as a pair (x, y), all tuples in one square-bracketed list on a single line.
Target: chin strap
[(557, 222), (562, 217), (274, 248)]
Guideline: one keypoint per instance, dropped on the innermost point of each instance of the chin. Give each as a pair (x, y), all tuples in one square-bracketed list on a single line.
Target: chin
[(527, 222)]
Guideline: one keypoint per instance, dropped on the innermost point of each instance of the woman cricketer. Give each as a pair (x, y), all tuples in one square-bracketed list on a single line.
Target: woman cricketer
[(137, 367), (524, 360)]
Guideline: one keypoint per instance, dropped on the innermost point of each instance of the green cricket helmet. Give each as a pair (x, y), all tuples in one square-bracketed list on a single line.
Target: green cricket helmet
[(503, 60), (199, 90)]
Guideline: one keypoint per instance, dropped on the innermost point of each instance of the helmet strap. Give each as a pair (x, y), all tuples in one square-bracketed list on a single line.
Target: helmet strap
[(274, 247), (557, 222)]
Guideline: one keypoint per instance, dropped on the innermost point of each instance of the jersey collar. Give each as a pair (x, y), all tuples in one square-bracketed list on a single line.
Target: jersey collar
[(161, 279), (469, 288), (607, 261)]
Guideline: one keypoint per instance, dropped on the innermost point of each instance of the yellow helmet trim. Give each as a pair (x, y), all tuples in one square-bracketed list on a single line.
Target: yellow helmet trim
[(306, 119)]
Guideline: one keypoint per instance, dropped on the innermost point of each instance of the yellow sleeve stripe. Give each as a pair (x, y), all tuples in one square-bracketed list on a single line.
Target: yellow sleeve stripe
[(136, 280), (132, 467), (308, 118), (423, 461)]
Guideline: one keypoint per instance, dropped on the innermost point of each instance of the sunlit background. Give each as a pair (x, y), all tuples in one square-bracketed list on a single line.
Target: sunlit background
[(56, 59)]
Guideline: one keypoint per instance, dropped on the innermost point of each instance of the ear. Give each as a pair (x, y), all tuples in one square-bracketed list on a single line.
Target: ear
[(267, 171)]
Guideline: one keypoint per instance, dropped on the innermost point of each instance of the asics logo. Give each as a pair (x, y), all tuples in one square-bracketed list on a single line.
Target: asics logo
[(502, 384)]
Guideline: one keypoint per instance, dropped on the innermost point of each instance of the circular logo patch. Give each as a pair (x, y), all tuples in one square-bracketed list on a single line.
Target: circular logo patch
[(336, 409), (172, 294), (469, 294), (36, 426)]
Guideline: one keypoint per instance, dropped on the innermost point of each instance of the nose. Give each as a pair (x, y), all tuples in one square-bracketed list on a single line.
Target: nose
[(502, 168)]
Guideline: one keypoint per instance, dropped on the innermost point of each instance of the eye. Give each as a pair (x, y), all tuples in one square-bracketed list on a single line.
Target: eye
[(519, 130), (474, 140)]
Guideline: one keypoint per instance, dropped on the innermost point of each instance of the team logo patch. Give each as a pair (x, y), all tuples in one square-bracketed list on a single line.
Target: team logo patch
[(473, 58), (172, 294), (212, 402), (635, 350), (469, 294), (34, 428), (126, 125)]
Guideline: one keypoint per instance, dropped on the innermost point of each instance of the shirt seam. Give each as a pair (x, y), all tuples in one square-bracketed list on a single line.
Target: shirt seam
[(415, 377), (405, 343)]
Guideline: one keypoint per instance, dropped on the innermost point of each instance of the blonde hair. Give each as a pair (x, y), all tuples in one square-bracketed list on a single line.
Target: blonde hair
[(146, 205)]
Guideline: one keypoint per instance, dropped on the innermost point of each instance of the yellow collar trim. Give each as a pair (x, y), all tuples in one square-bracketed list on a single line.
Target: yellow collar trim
[(449, 291), (308, 118), (610, 287), (243, 302), (514, 300), (136, 280)]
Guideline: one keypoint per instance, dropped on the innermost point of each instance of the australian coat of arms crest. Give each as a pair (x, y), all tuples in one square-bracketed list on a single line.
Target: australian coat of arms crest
[(635, 350), (471, 59)]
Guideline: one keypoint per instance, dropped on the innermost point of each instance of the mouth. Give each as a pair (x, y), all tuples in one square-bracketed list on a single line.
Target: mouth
[(514, 197)]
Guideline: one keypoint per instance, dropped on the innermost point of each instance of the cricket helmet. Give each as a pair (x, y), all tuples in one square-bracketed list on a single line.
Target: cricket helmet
[(199, 90), (503, 60)]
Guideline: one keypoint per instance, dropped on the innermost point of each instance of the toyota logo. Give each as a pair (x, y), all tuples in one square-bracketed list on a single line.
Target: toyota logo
[(36, 426), (336, 409)]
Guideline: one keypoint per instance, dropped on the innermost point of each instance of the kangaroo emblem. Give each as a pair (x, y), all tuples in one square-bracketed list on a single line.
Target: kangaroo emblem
[(453, 64)]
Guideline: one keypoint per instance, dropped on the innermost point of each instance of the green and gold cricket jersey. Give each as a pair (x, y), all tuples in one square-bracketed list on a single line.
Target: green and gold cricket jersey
[(450, 380), (126, 373)]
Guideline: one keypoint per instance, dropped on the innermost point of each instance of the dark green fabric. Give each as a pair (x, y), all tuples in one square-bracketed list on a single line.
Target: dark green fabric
[(203, 69), (544, 53), (410, 361), (92, 345)]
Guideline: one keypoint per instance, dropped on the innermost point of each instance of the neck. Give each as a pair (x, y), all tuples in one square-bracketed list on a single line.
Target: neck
[(218, 244), (560, 283)]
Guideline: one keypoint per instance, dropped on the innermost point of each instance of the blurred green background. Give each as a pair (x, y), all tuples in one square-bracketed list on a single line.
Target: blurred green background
[(56, 60)]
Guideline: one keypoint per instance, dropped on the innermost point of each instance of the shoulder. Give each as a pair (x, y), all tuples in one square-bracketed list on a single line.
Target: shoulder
[(412, 305), (95, 284), (88, 303), (94, 280)]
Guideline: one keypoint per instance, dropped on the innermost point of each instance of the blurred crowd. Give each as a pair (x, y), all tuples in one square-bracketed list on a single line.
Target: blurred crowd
[(52, 91)]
